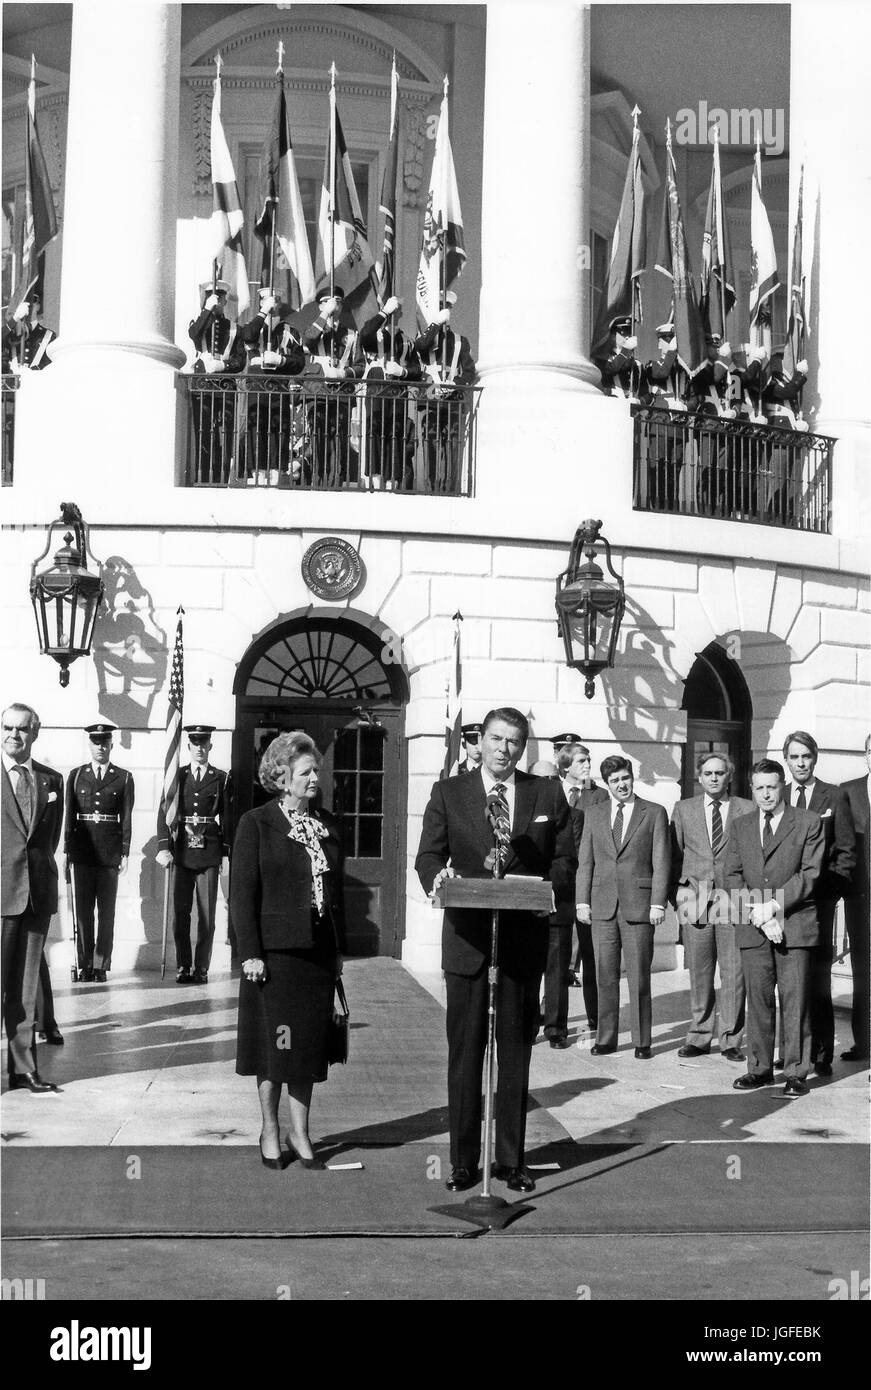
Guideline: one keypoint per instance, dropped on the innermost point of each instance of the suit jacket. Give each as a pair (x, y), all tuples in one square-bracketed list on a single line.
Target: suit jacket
[(455, 831), (856, 792), (832, 806), (209, 797), (29, 870), (103, 843), (790, 865), (696, 872), (636, 877), (271, 884)]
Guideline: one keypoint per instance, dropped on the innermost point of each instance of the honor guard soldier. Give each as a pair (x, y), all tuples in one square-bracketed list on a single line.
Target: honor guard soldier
[(99, 807), (663, 384), (273, 421), (619, 370), (471, 736), (220, 353), (448, 365), (29, 339), (331, 346), (198, 847), (386, 433)]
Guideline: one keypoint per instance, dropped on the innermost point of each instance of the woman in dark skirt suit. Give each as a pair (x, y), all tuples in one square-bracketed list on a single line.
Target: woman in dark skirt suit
[(286, 898)]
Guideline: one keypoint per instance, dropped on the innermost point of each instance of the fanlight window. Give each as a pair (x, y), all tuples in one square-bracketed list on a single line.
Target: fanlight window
[(319, 662)]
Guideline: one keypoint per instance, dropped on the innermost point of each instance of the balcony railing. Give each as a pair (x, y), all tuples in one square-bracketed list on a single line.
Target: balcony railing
[(9, 388), (310, 434), (733, 470)]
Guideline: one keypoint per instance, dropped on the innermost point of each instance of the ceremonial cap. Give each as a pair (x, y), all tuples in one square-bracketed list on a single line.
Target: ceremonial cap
[(714, 339), (450, 298), (665, 330), (473, 729), (326, 293), (561, 740), (214, 287), (620, 325), (199, 733), (100, 732)]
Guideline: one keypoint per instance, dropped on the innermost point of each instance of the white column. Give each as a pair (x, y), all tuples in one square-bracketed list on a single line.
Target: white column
[(534, 232), (830, 130), (99, 426)]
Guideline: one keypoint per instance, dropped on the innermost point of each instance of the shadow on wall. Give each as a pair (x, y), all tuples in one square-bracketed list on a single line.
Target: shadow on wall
[(130, 650), (645, 693), (764, 661)]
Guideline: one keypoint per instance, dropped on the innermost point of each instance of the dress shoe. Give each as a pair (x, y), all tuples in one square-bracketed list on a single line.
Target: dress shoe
[(200, 977), (574, 982), (99, 977), (278, 1164), (643, 1054), (733, 1054), (461, 1179), (854, 1054), (183, 976), (559, 1041), (753, 1080), (823, 1068), (53, 1036), (689, 1051), (517, 1179), (778, 1064), (30, 1081), (796, 1087), (599, 1050), (316, 1164), (87, 976)]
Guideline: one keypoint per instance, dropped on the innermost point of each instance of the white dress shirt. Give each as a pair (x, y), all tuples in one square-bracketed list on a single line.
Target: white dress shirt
[(490, 782), (709, 814), (776, 818), (628, 808), (794, 790), (9, 763)]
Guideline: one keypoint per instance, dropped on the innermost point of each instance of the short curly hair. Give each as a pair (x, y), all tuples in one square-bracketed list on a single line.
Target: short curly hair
[(280, 756)]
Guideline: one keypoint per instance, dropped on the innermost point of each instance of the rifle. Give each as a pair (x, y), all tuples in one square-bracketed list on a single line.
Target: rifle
[(76, 973)]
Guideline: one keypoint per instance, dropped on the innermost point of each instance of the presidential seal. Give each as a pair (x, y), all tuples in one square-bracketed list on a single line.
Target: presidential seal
[(331, 568)]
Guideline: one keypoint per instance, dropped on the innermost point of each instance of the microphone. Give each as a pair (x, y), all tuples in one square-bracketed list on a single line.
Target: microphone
[(491, 815)]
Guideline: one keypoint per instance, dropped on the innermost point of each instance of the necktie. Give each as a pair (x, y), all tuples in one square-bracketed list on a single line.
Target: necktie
[(716, 824), (197, 772), (801, 800), (499, 803), (99, 774), (617, 828), (574, 796), (767, 831), (23, 793)]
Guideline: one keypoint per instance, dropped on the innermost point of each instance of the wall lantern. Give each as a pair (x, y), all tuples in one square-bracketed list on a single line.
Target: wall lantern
[(66, 594), (589, 607)]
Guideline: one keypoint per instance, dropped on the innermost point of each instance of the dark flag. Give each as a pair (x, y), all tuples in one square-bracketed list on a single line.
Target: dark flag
[(673, 261), (388, 195), (344, 257), (281, 224), (40, 222), (794, 350), (454, 707), (717, 285), (628, 253)]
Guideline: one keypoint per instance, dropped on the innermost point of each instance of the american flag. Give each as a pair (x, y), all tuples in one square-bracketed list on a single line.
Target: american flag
[(173, 728), (454, 707)]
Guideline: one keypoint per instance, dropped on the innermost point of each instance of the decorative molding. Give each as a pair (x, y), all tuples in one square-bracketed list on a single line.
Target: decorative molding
[(415, 119), (202, 129), (302, 80)]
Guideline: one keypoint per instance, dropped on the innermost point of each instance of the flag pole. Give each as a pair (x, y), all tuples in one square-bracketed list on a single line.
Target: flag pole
[(444, 258), (394, 90), (219, 63), (332, 200), (719, 223), (279, 71), (636, 112)]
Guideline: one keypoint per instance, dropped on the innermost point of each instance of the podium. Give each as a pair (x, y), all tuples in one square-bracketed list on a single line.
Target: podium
[(515, 893)]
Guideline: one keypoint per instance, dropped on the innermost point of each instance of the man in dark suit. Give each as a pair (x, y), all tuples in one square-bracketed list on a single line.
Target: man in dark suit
[(99, 810), (857, 912), (32, 813), (774, 859), (700, 828), (199, 846), (573, 763), (622, 887), (457, 839), (808, 793)]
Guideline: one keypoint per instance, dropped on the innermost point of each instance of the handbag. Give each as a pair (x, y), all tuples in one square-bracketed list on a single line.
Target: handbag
[(339, 1032)]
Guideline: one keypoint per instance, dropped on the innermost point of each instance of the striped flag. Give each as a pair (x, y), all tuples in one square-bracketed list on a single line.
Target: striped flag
[(344, 257), (763, 262), (717, 285), (673, 261), (388, 195), (443, 251), (174, 718), (454, 706), (281, 224), (794, 350), (622, 296), (227, 216), (40, 222)]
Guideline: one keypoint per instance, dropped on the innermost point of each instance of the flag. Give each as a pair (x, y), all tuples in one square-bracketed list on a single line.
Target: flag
[(717, 285), (454, 706), (443, 252), (794, 351), (40, 222), (227, 216), (763, 262), (174, 717), (388, 195), (342, 244), (673, 261), (628, 252), (282, 217)]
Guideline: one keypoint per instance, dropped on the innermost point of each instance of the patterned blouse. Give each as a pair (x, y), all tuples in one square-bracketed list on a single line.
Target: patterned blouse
[(305, 830)]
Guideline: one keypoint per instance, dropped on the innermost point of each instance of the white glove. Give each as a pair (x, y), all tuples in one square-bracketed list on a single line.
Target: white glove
[(164, 858), (270, 358), (443, 316), (267, 304), (211, 301), (630, 344), (331, 309), (392, 369), (391, 305), (802, 366), (21, 312)]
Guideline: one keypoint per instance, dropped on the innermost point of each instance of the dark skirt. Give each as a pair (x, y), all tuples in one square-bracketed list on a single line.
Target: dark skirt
[(283, 1023)]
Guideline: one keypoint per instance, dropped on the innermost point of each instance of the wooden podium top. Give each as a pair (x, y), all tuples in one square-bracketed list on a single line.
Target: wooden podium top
[(520, 894)]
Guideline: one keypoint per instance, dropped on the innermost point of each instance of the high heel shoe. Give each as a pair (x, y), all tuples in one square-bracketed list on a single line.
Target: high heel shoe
[(293, 1153), (278, 1164)]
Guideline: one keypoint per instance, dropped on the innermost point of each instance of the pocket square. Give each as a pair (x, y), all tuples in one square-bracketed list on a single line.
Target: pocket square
[(826, 813), (541, 820), (52, 796)]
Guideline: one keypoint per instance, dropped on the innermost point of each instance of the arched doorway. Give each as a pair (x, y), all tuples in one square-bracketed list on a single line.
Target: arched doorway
[(719, 714), (323, 673)]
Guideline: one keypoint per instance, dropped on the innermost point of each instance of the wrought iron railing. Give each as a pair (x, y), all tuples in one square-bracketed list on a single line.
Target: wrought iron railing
[(735, 470), (308, 433), (9, 388)]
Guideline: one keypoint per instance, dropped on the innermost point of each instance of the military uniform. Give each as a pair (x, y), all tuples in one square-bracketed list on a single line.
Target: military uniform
[(447, 362), (331, 349), (471, 733), (220, 354), (662, 386), (386, 432), (199, 843), (99, 807), (270, 422), (618, 368), (781, 400), (28, 346)]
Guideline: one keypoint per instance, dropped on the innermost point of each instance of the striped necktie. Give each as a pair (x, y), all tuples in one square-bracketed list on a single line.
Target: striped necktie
[(617, 828), (498, 800), (24, 793), (716, 824)]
